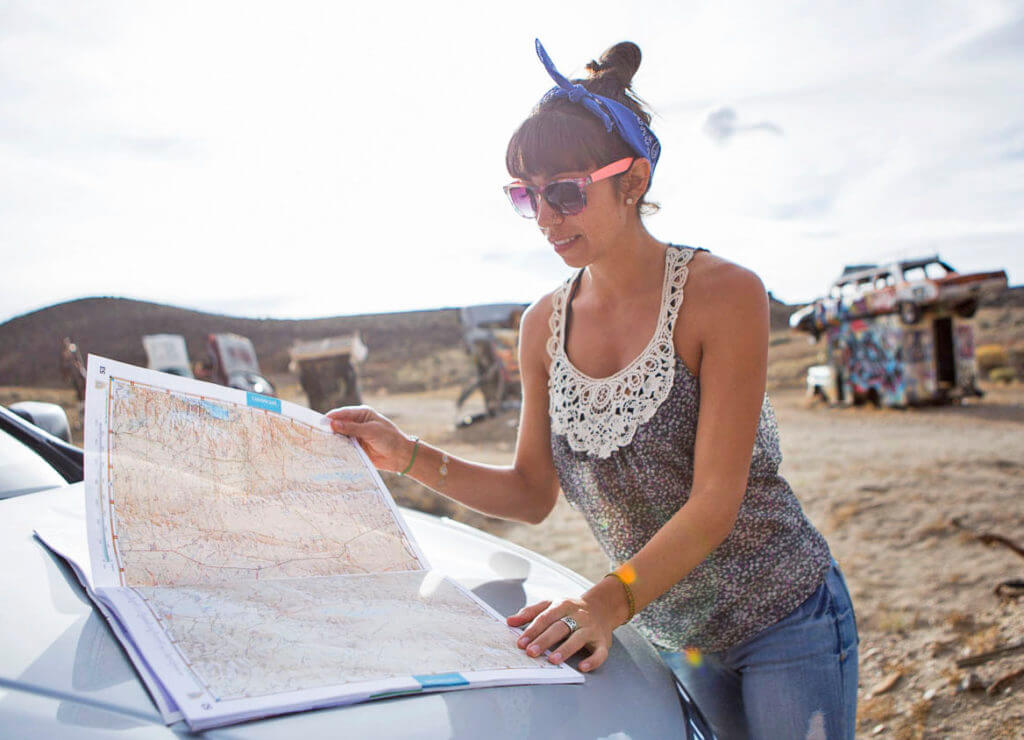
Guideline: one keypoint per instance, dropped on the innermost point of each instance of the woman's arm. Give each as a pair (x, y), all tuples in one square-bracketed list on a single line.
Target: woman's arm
[(526, 490), (733, 322)]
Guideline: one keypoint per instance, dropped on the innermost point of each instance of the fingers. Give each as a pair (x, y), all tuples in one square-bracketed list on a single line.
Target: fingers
[(557, 632), (527, 614), (540, 617), (349, 413), (547, 630), (597, 657), (575, 642), (346, 419)]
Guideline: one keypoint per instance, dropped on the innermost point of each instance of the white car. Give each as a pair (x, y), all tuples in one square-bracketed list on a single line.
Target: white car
[(821, 383)]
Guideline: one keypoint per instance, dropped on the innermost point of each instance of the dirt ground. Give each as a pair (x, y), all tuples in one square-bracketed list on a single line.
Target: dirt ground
[(885, 486)]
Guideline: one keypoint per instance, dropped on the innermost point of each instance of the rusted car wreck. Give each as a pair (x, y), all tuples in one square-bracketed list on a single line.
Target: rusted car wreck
[(898, 334)]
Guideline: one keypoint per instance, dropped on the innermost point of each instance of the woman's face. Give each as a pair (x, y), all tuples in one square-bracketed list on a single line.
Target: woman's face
[(582, 238)]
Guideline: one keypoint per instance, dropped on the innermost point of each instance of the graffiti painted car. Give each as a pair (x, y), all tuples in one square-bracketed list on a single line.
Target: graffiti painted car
[(898, 334), (905, 288)]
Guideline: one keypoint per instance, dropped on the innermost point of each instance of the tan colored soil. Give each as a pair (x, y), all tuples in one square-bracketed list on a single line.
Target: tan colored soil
[(883, 485)]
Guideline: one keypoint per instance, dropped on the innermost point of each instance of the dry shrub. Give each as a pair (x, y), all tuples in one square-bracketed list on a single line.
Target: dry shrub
[(1016, 357), (877, 709), (919, 712), (916, 721), (936, 527), (990, 356), (839, 516), (952, 675), (1005, 375), (960, 621), (897, 620), (906, 732), (984, 640)]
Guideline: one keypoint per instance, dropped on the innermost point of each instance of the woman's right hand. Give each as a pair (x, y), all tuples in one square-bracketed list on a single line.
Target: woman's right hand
[(383, 442)]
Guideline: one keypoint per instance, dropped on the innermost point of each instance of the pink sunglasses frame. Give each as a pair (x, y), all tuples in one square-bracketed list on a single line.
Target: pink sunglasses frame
[(609, 170)]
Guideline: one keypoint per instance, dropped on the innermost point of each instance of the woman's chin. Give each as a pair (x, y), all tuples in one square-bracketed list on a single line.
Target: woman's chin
[(574, 255)]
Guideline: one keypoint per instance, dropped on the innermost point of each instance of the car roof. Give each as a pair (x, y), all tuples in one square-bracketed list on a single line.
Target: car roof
[(65, 673), (857, 273)]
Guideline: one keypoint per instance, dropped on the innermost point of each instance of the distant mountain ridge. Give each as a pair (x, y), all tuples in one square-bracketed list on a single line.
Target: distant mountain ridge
[(114, 327)]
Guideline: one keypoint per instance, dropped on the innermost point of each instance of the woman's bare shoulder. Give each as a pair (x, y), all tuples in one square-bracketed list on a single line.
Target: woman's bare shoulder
[(724, 298), (535, 328), (537, 316), (714, 281)]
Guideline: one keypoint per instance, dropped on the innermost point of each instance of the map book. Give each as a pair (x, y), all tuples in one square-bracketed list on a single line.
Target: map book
[(253, 563)]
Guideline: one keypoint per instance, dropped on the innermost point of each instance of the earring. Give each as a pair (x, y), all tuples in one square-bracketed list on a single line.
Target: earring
[(629, 201)]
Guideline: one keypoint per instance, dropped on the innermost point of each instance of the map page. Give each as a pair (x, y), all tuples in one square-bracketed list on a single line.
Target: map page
[(257, 563)]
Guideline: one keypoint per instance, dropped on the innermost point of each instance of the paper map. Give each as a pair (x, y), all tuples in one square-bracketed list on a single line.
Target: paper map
[(257, 564), (238, 470)]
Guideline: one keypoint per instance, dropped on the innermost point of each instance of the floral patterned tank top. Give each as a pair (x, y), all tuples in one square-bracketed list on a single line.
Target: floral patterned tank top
[(623, 447)]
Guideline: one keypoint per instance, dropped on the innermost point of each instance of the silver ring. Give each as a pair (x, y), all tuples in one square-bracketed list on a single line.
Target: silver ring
[(570, 623)]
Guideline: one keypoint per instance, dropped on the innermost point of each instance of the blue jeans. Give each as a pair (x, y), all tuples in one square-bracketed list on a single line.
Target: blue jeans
[(794, 679)]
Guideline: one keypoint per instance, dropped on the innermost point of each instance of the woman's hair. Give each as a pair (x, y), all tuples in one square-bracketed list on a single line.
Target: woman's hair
[(560, 135)]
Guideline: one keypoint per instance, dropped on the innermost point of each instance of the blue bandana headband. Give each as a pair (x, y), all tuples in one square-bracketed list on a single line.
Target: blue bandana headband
[(615, 116)]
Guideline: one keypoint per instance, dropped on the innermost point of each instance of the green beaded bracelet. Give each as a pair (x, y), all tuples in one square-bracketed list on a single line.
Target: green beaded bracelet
[(415, 446)]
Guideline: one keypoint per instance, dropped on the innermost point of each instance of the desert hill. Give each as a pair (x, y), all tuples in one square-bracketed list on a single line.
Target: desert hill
[(113, 327)]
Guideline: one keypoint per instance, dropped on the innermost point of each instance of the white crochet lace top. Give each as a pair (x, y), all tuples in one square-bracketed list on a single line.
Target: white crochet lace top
[(624, 450), (601, 415)]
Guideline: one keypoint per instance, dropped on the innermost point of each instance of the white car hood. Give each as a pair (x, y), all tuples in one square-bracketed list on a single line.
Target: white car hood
[(62, 672)]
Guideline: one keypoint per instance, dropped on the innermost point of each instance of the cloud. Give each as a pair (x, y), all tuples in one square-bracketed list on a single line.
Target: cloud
[(723, 124), (1004, 39), (807, 208)]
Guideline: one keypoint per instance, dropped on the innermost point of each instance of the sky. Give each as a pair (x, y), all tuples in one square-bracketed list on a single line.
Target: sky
[(306, 159)]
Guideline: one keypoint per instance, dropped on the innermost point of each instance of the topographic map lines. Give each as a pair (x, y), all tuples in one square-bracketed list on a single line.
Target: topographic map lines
[(206, 491), (253, 639)]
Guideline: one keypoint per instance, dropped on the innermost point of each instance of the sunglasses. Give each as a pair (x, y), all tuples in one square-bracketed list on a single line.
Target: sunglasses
[(566, 197)]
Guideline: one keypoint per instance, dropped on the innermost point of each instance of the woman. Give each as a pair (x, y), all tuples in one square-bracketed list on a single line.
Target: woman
[(650, 413)]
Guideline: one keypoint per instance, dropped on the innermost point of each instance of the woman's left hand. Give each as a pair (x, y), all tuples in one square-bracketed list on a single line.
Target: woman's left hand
[(595, 620)]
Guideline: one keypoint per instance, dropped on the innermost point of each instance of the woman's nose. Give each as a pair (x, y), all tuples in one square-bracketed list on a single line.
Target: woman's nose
[(546, 215)]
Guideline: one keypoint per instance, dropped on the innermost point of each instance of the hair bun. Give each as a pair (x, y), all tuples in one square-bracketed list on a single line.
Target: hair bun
[(620, 61)]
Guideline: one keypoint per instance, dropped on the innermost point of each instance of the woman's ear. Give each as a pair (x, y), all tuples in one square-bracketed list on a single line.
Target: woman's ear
[(635, 180)]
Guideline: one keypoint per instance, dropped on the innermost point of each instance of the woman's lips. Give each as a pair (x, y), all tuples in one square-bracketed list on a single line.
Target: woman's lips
[(562, 245)]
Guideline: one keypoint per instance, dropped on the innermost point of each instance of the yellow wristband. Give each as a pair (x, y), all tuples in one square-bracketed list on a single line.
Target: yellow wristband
[(630, 599)]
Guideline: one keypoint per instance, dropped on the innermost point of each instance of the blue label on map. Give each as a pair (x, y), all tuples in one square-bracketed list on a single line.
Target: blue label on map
[(263, 402), (217, 412), (441, 679)]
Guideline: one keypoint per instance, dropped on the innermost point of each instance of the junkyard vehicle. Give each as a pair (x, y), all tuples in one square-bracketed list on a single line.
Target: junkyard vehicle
[(327, 370), (167, 353), (898, 334), (491, 336), (231, 361), (65, 674)]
